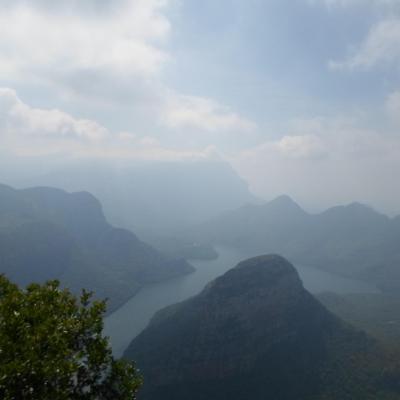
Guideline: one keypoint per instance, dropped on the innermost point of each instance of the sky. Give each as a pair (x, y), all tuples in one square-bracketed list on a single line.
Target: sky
[(299, 96)]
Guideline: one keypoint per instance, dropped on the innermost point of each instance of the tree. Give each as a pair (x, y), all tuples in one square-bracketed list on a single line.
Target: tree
[(52, 347)]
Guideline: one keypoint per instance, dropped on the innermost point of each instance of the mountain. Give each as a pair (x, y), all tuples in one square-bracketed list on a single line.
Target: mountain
[(47, 233), (154, 198), (248, 227), (378, 314), (256, 333), (352, 240)]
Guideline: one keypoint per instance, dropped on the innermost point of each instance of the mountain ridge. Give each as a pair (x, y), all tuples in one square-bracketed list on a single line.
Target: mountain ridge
[(156, 198), (255, 332), (352, 240), (91, 253)]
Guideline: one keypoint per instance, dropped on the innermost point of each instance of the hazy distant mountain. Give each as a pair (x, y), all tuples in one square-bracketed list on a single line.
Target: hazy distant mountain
[(256, 333), (353, 240), (156, 198), (47, 233)]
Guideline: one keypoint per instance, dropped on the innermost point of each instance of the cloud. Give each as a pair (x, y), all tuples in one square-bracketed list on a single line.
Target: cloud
[(110, 55), (381, 46), (304, 147), (337, 161), (26, 131), (202, 113), (18, 120), (39, 42)]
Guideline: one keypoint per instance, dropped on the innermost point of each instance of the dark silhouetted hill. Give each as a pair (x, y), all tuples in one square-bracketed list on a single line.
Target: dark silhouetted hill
[(256, 333)]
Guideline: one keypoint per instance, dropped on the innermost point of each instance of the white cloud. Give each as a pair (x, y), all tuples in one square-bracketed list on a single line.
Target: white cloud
[(26, 131), (304, 146), (202, 113), (337, 161), (18, 120), (103, 54), (381, 46), (36, 43)]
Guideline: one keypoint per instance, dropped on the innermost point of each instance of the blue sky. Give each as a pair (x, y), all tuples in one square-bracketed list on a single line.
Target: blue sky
[(300, 96)]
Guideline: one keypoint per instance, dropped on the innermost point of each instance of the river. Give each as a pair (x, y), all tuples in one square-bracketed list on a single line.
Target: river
[(130, 319)]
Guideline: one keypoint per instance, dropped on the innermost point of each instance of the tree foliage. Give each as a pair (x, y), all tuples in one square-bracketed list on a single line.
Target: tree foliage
[(52, 347)]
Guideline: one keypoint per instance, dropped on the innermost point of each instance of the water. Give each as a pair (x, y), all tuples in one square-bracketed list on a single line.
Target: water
[(129, 320)]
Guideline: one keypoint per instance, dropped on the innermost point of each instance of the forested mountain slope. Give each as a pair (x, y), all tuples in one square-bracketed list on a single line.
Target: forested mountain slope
[(256, 333), (46, 233)]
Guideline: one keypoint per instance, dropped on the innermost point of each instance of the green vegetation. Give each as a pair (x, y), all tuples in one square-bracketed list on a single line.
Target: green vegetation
[(51, 347), (378, 314)]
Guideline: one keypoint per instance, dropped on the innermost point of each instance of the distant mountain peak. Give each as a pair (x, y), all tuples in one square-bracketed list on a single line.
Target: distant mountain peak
[(365, 209), (356, 205), (355, 210), (284, 204), (284, 200)]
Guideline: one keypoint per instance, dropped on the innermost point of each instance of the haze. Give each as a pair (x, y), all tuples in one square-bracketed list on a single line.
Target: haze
[(299, 97), (224, 175)]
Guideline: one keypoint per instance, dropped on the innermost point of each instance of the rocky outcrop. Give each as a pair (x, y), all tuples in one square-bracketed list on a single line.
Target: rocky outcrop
[(254, 333)]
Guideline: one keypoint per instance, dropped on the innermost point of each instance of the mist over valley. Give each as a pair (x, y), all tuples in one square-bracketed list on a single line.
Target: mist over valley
[(199, 200)]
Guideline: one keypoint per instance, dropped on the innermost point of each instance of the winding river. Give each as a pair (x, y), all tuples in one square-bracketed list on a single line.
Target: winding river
[(130, 319)]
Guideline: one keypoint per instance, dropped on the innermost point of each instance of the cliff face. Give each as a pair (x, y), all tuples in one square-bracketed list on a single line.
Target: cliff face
[(254, 333), (46, 233)]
